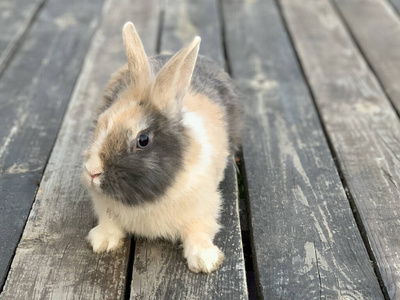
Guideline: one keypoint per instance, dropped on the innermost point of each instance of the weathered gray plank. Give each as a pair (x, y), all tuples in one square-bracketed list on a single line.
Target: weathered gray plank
[(376, 27), (306, 242), (34, 92), (160, 271), (361, 124), (187, 19), (15, 18), (53, 259)]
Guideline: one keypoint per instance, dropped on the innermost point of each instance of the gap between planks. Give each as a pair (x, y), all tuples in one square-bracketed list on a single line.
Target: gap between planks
[(289, 166), (370, 119), (353, 206)]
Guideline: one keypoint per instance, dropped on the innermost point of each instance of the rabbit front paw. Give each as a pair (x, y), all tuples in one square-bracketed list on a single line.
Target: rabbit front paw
[(205, 260), (105, 239)]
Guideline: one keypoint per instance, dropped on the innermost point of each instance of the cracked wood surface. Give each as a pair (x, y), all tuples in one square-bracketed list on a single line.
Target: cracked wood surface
[(34, 93), (361, 123), (159, 270), (306, 241), (53, 259)]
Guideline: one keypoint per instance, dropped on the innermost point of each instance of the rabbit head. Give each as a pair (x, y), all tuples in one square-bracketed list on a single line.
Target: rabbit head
[(139, 141)]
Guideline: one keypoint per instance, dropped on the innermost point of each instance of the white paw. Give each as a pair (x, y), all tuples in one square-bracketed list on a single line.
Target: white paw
[(205, 260), (105, 240)]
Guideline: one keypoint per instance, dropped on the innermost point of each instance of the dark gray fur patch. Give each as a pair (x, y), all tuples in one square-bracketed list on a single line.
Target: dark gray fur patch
[(138, 176), (208, 79)]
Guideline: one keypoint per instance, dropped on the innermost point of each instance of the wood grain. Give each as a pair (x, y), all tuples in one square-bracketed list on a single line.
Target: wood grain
[(306, 241), (34, 93), (160, 271), (16, 17), (53, 259), (186, 19), (376, 27), (361, 123)]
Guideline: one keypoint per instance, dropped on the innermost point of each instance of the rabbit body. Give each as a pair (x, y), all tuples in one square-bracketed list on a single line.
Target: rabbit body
[(184, 113)]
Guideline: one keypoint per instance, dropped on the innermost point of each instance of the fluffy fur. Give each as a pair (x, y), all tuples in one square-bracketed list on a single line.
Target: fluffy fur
[(169, 189)]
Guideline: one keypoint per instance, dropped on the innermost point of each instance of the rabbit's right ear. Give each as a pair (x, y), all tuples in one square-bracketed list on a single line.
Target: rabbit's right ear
[(137, 59), (173, 80)]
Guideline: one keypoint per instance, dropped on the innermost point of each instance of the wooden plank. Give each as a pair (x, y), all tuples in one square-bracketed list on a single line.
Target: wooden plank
[(190, 18), (376, 27), (53, 259), (361, 123), (15, 19), (34, 92), (160, 271), (305, 240)]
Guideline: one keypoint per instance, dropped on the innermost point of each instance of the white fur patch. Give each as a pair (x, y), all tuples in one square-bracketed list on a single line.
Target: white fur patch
[(205, 260), (105, 239), (195, 123)]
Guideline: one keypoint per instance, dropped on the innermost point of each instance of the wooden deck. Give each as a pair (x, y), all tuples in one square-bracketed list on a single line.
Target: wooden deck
[(319, 216)]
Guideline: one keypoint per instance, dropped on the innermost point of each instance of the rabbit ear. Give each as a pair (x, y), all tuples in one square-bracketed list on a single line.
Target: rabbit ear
[(172, 82), (137, 59)]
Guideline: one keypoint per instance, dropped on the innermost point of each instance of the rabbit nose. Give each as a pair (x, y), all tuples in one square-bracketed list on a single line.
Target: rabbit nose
[(95, 175)]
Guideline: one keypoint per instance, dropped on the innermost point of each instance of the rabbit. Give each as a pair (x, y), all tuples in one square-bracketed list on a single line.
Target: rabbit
[(165, 130)]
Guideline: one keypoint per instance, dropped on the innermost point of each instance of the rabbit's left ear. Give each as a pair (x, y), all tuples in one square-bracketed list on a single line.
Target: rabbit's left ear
[(137, 59), (173, 81)]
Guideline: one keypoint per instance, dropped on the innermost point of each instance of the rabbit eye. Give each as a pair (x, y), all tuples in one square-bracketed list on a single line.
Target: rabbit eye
[(143, 140)]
